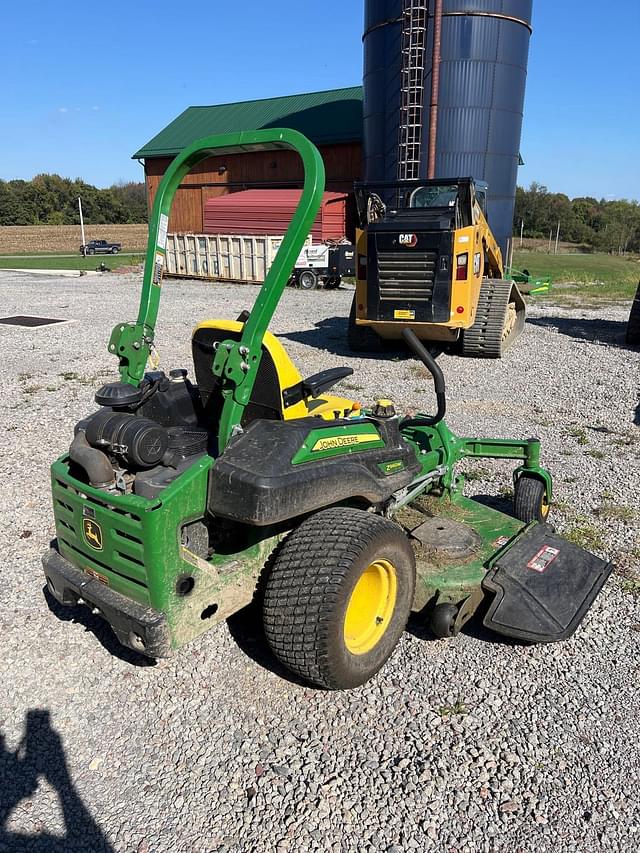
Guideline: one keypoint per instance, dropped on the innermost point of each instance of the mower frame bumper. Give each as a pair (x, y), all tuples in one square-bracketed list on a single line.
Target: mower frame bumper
[(140, 628)]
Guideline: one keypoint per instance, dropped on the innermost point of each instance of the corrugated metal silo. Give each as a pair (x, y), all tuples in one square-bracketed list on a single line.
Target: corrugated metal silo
[(483, 68)]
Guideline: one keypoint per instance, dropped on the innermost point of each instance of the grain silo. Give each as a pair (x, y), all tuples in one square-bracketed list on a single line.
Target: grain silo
[(483, 48)]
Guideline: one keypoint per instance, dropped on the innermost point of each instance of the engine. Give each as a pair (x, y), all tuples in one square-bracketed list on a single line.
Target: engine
[(141, 438)]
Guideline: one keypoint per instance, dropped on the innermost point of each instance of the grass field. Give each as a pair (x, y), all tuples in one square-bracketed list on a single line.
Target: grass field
[(123, 259), (579, 277)]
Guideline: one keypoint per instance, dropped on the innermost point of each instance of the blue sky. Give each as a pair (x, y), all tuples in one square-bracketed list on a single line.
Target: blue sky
[(84, 86)]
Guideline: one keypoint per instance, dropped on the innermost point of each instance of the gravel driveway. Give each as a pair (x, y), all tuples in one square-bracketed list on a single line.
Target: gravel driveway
[(472, 744)]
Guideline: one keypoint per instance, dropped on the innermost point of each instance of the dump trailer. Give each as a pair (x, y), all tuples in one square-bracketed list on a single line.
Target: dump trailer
[(428, 261)]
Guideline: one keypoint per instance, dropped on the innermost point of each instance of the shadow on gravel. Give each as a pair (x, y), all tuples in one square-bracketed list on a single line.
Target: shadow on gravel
[(246, 629), (595, 331), (330, 334), (40, 756), (81, 615), (502, 503)]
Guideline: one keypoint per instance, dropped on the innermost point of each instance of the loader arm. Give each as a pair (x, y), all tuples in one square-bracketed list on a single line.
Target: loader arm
[(495, 267)]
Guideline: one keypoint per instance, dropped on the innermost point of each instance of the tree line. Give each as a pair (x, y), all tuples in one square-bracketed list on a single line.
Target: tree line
[(602, 226), (52, 200)]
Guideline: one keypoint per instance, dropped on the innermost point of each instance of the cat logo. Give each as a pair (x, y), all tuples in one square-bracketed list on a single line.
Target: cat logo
[(92, 533), (408, 240)]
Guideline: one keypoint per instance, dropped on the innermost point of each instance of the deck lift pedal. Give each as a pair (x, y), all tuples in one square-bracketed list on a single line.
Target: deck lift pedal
[(177, 502)]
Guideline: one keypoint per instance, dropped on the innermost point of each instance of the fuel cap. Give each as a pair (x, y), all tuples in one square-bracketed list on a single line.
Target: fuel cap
[(384, 409)]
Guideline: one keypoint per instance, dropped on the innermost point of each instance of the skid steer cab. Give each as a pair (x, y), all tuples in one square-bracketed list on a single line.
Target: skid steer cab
[(178, 499)]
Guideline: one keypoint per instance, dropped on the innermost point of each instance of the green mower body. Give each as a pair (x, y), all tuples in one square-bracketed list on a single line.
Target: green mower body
[(178, 502)]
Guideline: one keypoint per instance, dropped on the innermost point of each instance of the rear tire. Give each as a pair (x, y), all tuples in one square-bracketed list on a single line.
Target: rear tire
[(530, 502), (115, 250), (307, 280), (338, 597), (633, 326)]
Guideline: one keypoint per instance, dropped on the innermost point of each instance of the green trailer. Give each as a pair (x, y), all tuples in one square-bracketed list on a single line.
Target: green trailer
[(179, 502)]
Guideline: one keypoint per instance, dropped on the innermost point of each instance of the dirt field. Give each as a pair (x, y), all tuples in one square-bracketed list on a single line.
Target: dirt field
[(535, 244), (16, 239)]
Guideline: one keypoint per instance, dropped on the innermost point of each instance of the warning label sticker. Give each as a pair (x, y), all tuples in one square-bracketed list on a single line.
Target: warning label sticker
[(543, 559), (163, 226), (157, 269)]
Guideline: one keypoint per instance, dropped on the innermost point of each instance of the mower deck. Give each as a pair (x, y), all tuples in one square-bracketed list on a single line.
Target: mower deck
[(442, 574), (484, 554)]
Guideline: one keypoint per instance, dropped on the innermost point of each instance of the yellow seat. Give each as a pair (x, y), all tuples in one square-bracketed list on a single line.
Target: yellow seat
[(276, 373)]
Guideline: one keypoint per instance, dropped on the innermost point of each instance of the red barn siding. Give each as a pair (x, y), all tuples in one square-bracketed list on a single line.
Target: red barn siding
[(270, 212)]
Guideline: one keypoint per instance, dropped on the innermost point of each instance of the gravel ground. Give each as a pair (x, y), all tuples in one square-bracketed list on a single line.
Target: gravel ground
[(471, 744)]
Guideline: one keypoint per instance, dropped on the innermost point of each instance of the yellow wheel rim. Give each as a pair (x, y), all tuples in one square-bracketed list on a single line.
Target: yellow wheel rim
[(370, 607), (544, 508)]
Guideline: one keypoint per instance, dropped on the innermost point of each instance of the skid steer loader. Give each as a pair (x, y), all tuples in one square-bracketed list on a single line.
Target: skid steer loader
[(428, 261)]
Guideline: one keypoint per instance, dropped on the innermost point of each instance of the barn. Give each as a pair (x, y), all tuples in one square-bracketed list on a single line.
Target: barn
[(331, 119)]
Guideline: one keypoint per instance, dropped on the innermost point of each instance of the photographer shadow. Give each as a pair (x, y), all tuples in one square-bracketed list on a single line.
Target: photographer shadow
[(40, 756)]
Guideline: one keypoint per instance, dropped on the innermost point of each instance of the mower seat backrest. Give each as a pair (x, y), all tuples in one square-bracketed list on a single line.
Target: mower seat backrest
[(275, 373)]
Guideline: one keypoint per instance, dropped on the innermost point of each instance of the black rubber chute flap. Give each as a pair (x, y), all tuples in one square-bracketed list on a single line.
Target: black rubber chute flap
[(543, 586)]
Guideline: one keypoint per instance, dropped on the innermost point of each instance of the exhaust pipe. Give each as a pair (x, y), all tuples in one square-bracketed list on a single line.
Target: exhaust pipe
[(96, 464)]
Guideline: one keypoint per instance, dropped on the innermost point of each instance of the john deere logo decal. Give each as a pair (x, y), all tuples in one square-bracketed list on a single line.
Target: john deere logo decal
[(408, 240), (338, 441), (92, 533)]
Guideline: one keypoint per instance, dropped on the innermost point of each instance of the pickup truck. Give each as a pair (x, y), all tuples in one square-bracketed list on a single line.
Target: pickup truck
[(100, 247)]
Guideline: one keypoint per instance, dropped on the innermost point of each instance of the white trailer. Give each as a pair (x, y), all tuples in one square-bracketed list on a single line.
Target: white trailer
[(222, 257)]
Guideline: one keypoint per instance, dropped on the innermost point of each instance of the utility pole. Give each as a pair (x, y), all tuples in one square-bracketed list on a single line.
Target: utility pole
[(557, 237), (521, 231), (84, 242), (550, 239)]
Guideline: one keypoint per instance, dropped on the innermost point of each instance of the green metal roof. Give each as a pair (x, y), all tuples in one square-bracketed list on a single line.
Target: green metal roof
[(326, 117)]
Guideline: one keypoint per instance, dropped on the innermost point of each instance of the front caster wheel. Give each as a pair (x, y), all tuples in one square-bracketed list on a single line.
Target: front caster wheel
[(338, 597), (530, 501), (443, 620)]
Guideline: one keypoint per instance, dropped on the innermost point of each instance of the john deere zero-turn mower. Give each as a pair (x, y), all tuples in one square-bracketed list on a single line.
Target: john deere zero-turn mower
[(177, 500)]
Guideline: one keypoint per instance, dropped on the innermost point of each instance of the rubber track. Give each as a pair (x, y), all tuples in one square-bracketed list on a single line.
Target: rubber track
[(633, 326), (484, 338), (305, 582)]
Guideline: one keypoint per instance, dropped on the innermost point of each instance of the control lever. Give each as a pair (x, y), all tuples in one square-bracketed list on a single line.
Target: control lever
[(423, 355)]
